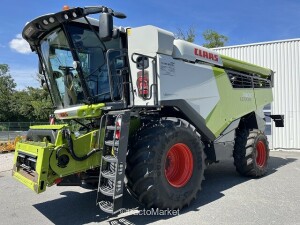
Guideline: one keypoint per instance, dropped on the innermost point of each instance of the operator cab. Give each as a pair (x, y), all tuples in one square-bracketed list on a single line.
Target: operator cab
[(82, 64)]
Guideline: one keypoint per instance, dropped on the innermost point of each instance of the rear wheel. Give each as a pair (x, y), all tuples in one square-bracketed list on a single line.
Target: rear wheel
[(251, 152), (166, 164)]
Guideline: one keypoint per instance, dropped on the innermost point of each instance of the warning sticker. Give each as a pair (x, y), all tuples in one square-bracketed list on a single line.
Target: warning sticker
[(167, 67)]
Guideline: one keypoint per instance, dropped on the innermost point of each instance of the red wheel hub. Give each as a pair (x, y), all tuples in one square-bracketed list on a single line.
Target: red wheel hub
[(179, 165), (261, 154)]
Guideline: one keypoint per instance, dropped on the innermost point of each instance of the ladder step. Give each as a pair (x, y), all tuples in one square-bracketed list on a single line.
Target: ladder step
[(111, 177), (110, 158), (113, 128), (112, 143), (108, 191), (108, 174), (106, 206)]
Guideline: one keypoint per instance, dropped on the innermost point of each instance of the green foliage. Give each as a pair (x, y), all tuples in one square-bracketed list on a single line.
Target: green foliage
[(3, 69), (31, 104), (41, 103), (21, 107), (7, 89), (214, 39), (189, 35)]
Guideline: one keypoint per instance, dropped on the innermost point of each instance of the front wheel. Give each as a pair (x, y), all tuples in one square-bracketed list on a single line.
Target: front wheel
[(166, 164), (251, 152)]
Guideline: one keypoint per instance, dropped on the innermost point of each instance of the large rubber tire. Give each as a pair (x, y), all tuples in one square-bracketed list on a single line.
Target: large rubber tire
[(150, 178), (251, 152)]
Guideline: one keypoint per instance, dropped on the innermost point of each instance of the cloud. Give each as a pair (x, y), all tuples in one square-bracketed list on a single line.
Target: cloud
[(20, 45)]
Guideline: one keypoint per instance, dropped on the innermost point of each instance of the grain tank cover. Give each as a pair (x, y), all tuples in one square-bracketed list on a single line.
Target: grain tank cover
[(192, 52), (150, 40)]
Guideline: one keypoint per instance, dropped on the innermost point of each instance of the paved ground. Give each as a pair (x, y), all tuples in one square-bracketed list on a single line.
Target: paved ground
[(226, 198), (5, 163)]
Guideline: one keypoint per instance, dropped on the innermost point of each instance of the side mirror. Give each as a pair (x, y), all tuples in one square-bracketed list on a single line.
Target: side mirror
[(106, 26), (142, 62)]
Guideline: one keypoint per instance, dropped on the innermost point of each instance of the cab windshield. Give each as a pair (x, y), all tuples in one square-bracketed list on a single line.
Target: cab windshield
[(66, 82)]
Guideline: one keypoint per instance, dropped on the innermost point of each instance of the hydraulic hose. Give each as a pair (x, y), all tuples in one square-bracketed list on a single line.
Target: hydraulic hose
[(71, 149)]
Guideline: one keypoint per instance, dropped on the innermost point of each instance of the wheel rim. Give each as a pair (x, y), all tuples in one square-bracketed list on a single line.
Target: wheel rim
[(261, 155), (179, 165)]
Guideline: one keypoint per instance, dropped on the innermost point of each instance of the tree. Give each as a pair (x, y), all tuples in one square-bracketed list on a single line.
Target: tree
[(41, 103), (21, 107), (31, 104), (214, 39), (7, 89), (3, 69), (189, 35)]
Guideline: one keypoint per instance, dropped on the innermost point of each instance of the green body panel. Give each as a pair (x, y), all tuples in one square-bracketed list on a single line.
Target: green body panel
[(35, 180), (47, 170), (48, 127), (234, 102), (263, 96), (236, 64), (81, 112), (90, 111), (82, 145)]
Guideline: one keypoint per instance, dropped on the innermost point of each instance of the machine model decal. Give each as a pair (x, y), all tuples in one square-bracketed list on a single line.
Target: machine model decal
[(246, 97)]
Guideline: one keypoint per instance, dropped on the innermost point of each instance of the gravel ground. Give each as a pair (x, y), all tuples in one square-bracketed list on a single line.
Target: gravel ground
[(226, 198)]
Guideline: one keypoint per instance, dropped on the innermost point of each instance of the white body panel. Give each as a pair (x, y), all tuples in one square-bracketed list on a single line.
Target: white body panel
[(147, 40), (68, 112), (150, 40), (192, 52), (181, 80), (193, 82)]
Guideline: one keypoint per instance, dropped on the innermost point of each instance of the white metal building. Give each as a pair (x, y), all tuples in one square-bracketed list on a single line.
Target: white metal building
[(283, 57)]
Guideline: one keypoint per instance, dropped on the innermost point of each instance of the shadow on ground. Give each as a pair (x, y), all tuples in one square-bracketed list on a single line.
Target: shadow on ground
[(79, 208)]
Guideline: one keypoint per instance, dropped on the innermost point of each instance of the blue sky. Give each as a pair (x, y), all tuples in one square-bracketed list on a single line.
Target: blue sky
[(243, 22)]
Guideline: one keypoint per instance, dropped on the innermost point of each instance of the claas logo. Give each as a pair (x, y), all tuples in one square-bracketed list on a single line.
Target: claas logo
[(205, 54)]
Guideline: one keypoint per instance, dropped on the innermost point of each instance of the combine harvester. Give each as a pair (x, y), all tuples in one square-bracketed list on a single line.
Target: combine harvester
[(148, 107)]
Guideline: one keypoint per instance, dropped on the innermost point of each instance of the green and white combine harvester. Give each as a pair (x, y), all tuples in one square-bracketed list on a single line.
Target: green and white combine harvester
[(150, 111)]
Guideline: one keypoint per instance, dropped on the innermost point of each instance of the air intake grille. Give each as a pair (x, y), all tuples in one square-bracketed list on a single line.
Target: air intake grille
[(241, 80)]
